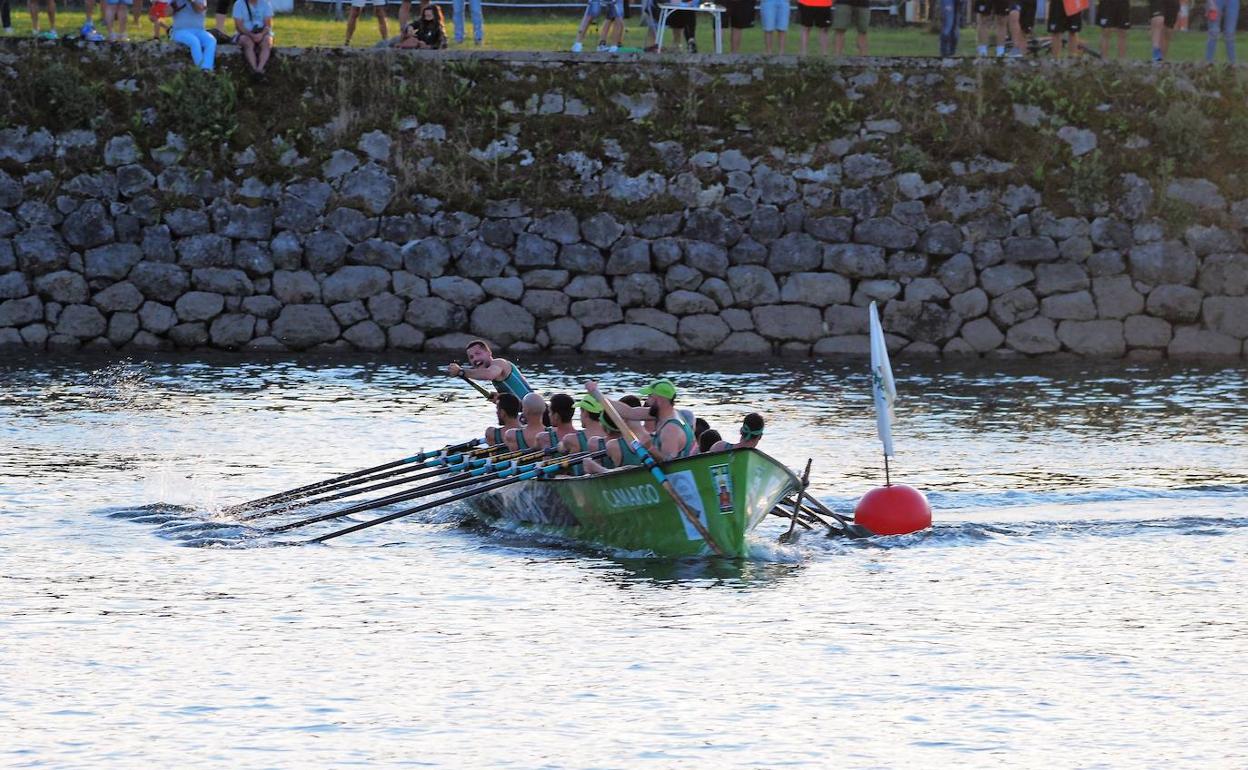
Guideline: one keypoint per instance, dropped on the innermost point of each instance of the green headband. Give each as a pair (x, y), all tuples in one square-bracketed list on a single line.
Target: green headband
[(747, 433)]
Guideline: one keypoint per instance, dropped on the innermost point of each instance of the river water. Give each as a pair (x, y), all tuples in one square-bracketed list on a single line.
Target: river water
[(1079, 603)]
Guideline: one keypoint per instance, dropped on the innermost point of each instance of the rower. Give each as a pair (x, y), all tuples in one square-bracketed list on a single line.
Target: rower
[(591, 432), (505, 375), (671, 437), (707, 440), (507, 407), (619, 453), (532, 435), (562, 410), (751, 434)]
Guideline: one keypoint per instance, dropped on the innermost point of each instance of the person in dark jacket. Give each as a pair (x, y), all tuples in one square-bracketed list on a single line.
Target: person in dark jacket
[(428, 32)]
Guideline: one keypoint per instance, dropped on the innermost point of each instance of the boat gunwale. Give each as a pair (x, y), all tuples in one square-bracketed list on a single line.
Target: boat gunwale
[(664, 466)]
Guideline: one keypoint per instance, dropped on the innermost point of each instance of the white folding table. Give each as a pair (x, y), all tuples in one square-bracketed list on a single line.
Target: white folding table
[(716, 11)]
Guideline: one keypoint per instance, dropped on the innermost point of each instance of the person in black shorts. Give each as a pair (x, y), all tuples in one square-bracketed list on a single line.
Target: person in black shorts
[(1060, 23), (1004, 15), (1163, 15), (1113, 16), (815, 13), (1026, 17), (740, 17)]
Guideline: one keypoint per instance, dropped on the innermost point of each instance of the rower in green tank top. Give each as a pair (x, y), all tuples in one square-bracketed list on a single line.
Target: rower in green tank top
[(503, 374), (672, 437), (533, 434), (751, 434), (590, 437), (619, 453), (507, 407)]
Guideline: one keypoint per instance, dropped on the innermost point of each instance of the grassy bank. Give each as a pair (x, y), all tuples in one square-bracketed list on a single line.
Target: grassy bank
[(555, 32)]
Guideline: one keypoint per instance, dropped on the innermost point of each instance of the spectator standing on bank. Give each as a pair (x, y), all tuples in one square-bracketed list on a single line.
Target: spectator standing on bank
[(478, 21), (950, 24), (613, 10), (1003, 16), (88, 31), (34, 20), (253, 19), (1163, 15), (1114, 18), (188, 30), (115, 13), (684, 26), (379, 10), (775, 15), (740, 18), (812, 14), (1060, 23), (855, 13), (1223, 18), (159, 11)]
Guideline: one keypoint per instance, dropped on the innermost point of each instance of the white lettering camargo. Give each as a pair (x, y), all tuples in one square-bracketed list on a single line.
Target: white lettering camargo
[(632, 497)]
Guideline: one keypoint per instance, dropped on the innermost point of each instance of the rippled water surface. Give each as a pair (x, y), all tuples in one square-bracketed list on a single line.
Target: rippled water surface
[(1079, 603)]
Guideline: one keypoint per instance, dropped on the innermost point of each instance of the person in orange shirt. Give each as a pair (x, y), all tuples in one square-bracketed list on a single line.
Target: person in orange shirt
[(815, 13)]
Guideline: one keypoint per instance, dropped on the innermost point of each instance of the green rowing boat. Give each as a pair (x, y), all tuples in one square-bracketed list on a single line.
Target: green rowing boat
[(627, 509)]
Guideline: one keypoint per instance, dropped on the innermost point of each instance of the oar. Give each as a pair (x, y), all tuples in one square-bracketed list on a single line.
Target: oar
[(850, 528), (440, 465), (475, 476), (474, 384), (797, 503), (534, 473), (309, 488), (690, 515), (778, 511)]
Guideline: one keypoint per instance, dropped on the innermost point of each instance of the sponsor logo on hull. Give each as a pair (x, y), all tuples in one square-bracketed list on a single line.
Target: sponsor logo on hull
[(638, 496)]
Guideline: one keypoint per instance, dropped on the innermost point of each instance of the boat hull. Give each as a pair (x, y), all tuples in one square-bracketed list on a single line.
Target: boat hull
[(627, 509)]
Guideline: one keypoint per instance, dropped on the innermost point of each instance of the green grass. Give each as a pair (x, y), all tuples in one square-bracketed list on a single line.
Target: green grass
[(555, 32)]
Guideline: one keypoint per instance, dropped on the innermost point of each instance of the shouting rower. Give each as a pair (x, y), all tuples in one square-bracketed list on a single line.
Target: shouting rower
[(504, 375), (507, 407), (751, 434), (532, 434)]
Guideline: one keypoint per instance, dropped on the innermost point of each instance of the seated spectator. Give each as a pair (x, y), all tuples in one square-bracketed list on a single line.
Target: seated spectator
[(253, 19), (188, 30), (429, 31)]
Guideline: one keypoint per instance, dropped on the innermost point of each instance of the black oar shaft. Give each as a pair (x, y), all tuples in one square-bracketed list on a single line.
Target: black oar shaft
[(297, 504), (564, 464), (319, 485), (445, 485)]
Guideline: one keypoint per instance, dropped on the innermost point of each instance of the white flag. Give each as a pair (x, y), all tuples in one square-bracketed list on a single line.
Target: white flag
[(883, 389)]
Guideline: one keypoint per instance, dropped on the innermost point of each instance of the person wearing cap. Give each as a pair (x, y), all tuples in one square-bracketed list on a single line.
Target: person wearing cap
[(591, 433), (671, 437), (503, 374), (751, 434), (619, 453), (507, 407), (533, 434)]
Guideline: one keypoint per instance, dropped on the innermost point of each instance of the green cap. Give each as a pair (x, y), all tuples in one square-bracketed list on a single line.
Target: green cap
[(589, 404), (661, 388)]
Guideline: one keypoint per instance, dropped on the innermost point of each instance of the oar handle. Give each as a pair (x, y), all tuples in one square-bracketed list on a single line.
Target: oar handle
[(474, 384)]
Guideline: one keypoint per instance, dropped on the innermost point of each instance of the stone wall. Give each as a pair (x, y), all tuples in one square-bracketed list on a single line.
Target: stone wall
[(112, 240)]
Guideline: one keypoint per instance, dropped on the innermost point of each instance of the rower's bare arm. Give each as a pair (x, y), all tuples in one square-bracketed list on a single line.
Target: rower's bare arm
[(592, 467), (509, 438), (491, 373)]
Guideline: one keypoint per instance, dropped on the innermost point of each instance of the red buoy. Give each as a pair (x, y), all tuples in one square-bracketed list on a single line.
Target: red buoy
[(894, 510)]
